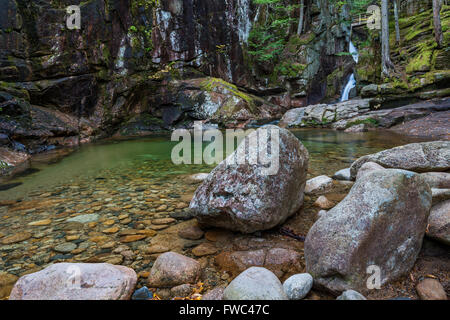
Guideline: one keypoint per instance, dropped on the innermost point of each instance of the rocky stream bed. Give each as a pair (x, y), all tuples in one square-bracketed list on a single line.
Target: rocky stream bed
[(140, 214)]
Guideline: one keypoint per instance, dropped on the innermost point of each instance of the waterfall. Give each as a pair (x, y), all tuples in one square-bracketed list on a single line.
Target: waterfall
[(351, 81)]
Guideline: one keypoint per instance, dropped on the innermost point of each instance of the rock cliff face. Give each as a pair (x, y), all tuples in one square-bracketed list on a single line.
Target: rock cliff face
[(132, 67)]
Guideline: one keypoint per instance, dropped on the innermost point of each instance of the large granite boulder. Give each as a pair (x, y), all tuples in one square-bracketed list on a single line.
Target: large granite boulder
[(77, 281), (418, 157), (439, 222), (381, 222), (255, 283), (246, 197)]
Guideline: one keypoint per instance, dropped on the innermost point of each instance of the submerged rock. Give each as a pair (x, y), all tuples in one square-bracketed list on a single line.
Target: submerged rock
[(252, 197), (418, 157), (77, 281), (7, 282), (381, 222), (173, 269), (439, 222), (255, 283)]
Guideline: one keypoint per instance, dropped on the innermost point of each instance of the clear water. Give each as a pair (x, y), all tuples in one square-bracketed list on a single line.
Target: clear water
[(150, 159)]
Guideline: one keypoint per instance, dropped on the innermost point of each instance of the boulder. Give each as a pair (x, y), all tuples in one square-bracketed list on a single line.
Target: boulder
[(246, 197), (351, 295), (440, 195), (77, 281), (439, 222), (418, 157), (318, 185), (298, 286), (255, 283), (439, 180), (368, 167), (292, 118), (431, 289), (172, 269), (381, 222)]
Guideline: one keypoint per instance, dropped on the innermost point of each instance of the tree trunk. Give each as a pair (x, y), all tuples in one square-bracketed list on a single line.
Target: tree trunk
[(437, 23), (397, 27), (302, 15), (386, 64)]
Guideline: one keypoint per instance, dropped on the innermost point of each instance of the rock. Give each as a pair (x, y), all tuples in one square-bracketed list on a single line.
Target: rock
[(318, 185), (132, 238), (191, 233), (77, 281), (418, 157), (142, 294), (163, 221), (357, 128), (298, 286), (381, 222), (85, 218), (45, 222), (204, 249), (439, 222), (17, 237), (198, 177), (321, 213), (351, 295), (343, 174), (292, 118), (368, 167), (250, 198), (7, 282), (440, 195), (181, 291), (431, 289), (255, 283), (172, 269), (439, 180), (283, 262), (65, 247), (214, 294), (323, 203), (156, 249)]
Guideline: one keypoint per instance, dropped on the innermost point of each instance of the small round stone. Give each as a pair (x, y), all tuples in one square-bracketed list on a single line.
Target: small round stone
[(298, 286)]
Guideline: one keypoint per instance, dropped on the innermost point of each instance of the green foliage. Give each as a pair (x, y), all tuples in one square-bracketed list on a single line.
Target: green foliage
[(267, 41)]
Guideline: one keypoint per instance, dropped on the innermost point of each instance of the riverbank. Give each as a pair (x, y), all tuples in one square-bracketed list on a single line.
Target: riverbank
[(133, 210)]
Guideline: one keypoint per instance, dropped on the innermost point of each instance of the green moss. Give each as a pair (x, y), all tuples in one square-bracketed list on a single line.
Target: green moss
[(215, 84), (422, 61), (368, 121)]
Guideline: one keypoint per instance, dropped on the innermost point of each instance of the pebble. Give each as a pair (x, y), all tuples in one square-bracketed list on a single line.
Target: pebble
[(132, 238), (45, 222), (17, 237), (142, 294), (431, 289), (191, 233), (204, 249), (111, 230), (156, 249), (65, 247), (323, 203)]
